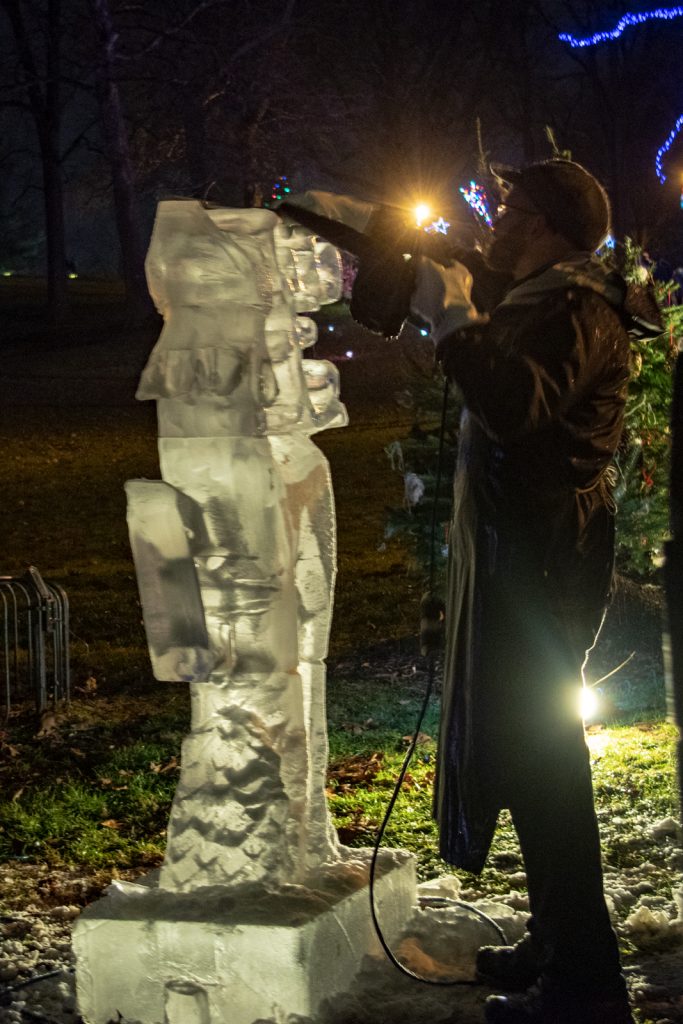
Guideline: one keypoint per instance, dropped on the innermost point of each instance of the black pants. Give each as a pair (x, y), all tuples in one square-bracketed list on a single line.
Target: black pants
[(558, 834), (534, 761)]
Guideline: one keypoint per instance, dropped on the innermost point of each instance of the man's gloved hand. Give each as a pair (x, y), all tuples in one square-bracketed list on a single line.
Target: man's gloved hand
[(442, 298)]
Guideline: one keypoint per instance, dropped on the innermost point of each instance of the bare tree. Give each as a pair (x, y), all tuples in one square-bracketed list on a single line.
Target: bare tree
[(41, 84), (616, 102), (117, 148)]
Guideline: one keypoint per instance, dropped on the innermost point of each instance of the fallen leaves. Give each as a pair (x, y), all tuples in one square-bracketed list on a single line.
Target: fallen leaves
[(171, 766), (88, 687), (356, 770), (357, 728), (422, 738), (49, 725), (107, 783)]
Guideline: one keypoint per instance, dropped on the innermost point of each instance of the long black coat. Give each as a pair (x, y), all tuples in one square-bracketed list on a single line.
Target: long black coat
[(532, 539)]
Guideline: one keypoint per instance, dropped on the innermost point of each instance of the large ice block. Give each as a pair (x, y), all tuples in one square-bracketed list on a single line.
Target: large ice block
[(236, 955), (247, 500), (257, 909)]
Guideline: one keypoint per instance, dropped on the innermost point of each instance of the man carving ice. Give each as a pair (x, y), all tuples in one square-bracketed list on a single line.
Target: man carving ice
[(544, 382)]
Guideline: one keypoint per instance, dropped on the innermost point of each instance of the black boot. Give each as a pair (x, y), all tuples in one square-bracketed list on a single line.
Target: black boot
[(552, 1004), (512, 968)]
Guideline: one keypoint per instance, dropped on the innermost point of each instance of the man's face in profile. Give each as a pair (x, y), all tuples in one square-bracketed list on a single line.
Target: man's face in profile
[(514, 231)]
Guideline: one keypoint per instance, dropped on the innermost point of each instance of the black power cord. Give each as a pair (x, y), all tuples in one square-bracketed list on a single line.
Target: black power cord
[(6, 997), (431, 631)]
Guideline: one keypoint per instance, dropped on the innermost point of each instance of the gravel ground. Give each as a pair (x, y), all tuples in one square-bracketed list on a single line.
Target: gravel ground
[(37, 981)]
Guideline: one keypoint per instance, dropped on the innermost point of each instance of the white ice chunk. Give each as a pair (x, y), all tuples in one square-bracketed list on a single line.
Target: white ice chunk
[(169, 590), (329, 266), (254, 952), (306, 331)]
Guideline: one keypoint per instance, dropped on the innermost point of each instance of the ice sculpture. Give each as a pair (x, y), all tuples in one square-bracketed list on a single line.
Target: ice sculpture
[(256, 905), (250, 511)]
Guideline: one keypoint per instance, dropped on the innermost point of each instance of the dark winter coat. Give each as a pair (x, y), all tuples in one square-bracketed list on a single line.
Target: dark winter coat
[(532, 538)]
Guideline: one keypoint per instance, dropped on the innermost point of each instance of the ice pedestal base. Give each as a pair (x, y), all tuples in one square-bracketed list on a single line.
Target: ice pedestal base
[(217, 954)]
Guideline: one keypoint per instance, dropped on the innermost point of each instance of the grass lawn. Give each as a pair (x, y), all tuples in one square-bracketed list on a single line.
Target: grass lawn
[(92, 789)]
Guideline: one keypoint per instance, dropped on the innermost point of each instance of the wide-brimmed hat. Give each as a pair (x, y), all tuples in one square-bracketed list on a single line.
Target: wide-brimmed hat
[(570, 198)]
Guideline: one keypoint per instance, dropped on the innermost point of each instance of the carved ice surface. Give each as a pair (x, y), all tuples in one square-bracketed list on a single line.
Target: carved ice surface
[(236, 408), (235, 553)]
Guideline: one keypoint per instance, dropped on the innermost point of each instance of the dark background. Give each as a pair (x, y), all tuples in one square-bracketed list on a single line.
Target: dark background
[(107, 106)]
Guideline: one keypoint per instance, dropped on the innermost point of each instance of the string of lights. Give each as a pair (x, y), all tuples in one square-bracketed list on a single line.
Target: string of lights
[(475, 196), (635, 18), (632, 18), (665, 147), (280, 189)]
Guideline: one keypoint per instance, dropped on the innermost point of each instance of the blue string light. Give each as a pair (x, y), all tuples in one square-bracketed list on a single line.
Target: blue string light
[(665, 149), (475, 196), (633, 18), (609, 243), (660, 14)]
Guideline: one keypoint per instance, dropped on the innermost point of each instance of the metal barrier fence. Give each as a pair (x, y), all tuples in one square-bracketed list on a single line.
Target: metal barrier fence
[(34, 641)]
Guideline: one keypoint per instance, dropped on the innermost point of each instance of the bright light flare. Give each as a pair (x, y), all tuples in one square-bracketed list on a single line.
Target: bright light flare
[(422, 213), (589, 703)]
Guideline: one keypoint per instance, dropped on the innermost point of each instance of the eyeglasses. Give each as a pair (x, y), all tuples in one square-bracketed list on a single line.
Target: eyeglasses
[(504, 207)]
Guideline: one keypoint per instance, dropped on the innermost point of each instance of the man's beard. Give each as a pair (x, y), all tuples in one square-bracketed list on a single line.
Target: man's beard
[(502, 253)]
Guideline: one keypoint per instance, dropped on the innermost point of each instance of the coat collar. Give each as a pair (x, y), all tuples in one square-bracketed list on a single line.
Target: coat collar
[(580, 271)]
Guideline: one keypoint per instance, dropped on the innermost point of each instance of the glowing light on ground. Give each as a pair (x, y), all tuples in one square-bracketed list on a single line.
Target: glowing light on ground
[(589, 703), (632, 18), (349, 353), (598, 739)]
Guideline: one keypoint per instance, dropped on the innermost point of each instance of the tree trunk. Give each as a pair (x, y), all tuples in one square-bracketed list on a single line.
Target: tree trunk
[(52, 172), (46, 111), (252, 189), (55, 233), (194, 127), (118, 155)]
